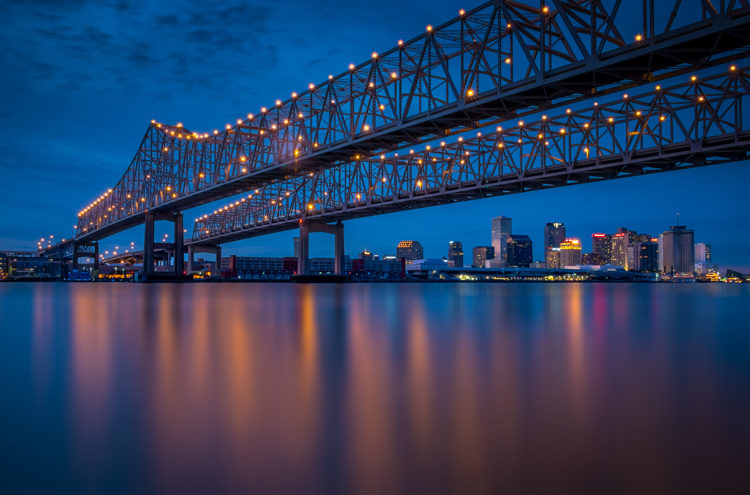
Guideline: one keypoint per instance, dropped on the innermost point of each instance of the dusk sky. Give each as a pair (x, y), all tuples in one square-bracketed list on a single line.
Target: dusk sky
[(80, 81)]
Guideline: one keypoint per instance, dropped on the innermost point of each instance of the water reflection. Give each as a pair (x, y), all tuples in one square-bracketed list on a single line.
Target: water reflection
[(387, 388)]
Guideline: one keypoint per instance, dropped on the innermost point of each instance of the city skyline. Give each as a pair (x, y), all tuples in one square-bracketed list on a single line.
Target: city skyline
[(711, 199)]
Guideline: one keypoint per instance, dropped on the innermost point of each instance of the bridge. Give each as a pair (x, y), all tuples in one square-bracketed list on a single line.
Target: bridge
[(328, 153)]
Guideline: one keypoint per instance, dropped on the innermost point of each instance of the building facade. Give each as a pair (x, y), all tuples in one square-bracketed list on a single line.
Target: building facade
[(553, 258), (481, 254), (648, 256), (519, 251), (601, 248), (456, 253), (502, 227), (554, 235), (410, 250), (570, 253), (678, 250)]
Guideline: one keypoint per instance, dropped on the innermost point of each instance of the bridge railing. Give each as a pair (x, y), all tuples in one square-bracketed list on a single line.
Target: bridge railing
[(492, 60), (699, 120)]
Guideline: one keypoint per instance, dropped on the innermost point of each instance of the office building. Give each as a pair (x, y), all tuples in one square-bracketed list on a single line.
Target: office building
[(619, 250), (501, 228), (601, 248), (553, 258), (410, 250), (648, 255), (554, 235), (365, 255), (570, 253), (456, 253), (481, 254), (678, 250), (702, 253), (519, 251)]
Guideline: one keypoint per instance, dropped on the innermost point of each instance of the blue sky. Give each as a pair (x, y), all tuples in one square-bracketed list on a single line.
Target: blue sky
[(80, 81)]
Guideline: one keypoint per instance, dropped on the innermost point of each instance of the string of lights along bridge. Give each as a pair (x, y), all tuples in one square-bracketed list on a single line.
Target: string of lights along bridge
[(492, 65)]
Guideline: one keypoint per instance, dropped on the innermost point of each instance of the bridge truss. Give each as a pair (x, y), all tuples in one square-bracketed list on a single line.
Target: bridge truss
[(699, 121), (499, 61)]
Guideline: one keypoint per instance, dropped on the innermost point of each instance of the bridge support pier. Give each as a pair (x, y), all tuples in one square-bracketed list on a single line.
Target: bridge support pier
[(93, 252), (203, 248), (303, 257), (148, 245), (179, 245)]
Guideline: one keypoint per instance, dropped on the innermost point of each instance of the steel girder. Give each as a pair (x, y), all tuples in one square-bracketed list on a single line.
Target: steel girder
[(700, 121), (492, 61)]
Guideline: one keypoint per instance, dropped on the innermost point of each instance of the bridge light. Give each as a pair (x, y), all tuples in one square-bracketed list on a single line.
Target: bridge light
[(500, 145), (153, 121), (365, 128), (545, 9), (372, 84), (294, 94), (611, 119), (385, 179), (394, 75), (239, 121), (625, 96), (638, 113), (732, 68), (216, 132), (301, 116), (311, 86), (461, 12), (693, 78), (470, 92), (638, 37), (179, 124), (382, 157), (244, 170), (351, 66), (562, 130), (400, 42), (658, 87), (278, 103), (228, 126), (429, 28), (242, 158), (330, 76), (310, 206), (374, 54), (700, 98), (382, 107), (419, 183), (662, 118)]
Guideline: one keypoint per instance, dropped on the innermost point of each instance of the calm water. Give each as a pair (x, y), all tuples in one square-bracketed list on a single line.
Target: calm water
[(386, 388)]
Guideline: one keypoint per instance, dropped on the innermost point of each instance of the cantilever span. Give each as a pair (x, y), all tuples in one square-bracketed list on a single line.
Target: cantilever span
[(699, 121), (498, 60)]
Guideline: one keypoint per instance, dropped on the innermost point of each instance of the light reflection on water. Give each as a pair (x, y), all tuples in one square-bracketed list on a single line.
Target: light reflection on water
[(373, 388)]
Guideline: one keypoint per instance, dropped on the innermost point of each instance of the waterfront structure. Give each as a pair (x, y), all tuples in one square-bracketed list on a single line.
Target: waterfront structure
[(678, 255), (601, 248), (519, 251), (570, 252), (482, 254), (410, 250), (456, 253), (553, 258), (554, 234), (502, 227), (335, 152)]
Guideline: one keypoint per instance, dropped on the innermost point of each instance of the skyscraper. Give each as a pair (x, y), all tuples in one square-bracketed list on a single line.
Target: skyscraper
[(502, 227), (410, 250), (648, 256), (570, 252), (619, 253), (481, 254), (519, 250), (678, 255), (456, 253), (554, 234), (601, 248), (702, 252), (553, 257)]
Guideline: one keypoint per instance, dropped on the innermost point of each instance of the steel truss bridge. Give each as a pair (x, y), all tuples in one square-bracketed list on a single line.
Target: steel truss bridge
[(316, 155)]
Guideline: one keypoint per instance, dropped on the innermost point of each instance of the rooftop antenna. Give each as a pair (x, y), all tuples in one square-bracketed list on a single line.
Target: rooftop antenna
[(678, 218)]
